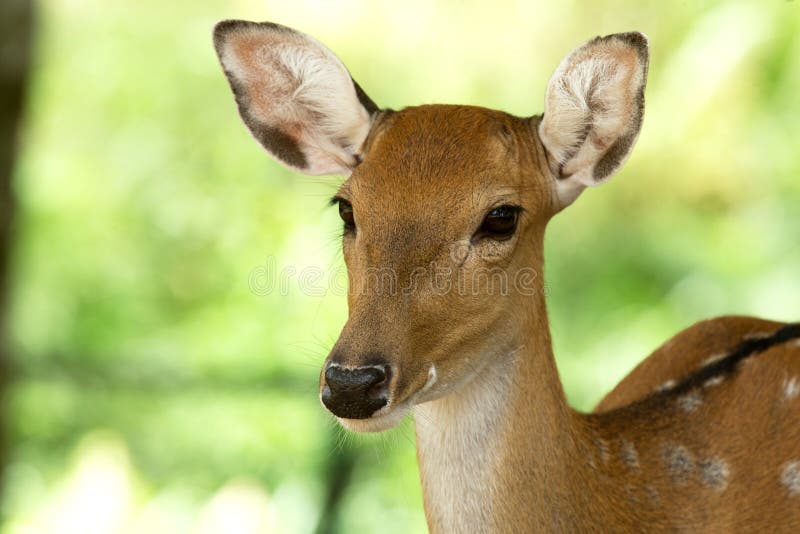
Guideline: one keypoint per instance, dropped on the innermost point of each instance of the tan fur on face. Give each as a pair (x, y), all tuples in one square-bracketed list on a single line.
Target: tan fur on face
[(416, 216)]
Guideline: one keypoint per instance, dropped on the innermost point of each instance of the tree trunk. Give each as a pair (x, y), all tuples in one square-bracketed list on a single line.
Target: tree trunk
[(16, 28)]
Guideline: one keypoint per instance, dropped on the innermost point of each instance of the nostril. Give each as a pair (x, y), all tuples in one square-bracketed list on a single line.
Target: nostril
[(326, 394), (379, 387), (331, 375)]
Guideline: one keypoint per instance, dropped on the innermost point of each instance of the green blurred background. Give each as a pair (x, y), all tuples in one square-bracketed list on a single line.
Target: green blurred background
[(153, 391)]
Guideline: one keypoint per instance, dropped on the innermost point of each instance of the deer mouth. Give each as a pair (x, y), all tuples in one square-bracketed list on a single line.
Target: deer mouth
[(393, 412)]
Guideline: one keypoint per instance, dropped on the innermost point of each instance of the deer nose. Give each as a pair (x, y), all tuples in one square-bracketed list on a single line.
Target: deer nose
[(355, 392)]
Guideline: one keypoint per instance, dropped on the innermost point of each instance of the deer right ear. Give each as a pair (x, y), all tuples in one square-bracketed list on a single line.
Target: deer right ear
[(593, 111), (295, 96)]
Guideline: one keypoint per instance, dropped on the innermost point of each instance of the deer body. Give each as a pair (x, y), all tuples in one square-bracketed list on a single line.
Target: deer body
[(657, 466), (452, 202)]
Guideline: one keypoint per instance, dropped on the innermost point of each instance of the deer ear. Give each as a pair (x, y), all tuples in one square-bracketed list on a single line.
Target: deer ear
[(295, 96), (593, 111)]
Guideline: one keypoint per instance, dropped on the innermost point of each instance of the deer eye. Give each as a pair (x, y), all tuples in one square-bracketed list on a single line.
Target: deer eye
[(500, 223), (346, 213)]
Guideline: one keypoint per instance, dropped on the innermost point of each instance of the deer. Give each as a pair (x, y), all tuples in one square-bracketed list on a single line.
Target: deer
[(702, 436)]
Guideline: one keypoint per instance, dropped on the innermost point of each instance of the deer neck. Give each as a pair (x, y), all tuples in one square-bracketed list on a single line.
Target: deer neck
[(504, 443)]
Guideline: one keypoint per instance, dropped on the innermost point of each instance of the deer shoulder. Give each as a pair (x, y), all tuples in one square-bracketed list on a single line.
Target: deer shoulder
[(689, 350)]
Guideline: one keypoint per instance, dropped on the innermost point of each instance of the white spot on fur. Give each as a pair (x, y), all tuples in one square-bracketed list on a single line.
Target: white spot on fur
[(791, 388), (714, 473), (790, 477), (758, 335), (432, 377), (628, 454), (690, 401), (795, 343), (666, 386), (713, 359), (679, 462), (603, 449), (714, 381)]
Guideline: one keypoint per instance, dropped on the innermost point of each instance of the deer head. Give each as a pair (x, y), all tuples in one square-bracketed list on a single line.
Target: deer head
[(444, 207)]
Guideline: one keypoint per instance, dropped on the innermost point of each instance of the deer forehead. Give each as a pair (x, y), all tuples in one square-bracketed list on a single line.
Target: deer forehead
[(447, 159)]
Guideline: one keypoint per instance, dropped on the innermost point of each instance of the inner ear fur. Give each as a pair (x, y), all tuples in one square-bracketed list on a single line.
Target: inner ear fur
[(594, 107), (295, 96)]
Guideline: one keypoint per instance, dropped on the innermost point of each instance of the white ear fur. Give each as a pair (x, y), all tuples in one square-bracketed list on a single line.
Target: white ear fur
[(295, 96), (593, 111)]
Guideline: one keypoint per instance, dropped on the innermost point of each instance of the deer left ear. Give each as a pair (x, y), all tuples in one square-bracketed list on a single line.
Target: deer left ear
[(593, 111)]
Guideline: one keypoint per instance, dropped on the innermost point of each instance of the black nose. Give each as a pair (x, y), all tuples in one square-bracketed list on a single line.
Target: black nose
[(355, 393)]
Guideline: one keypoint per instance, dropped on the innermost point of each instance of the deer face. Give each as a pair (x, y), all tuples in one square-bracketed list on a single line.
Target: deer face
[(433, 222), (443, 208)]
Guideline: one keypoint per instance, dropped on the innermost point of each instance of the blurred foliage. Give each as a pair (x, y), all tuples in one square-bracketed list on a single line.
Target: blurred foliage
[(157, 393)]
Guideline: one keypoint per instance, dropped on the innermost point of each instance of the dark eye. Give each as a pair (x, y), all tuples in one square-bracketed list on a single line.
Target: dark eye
[(346, 213), (499, 223)]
